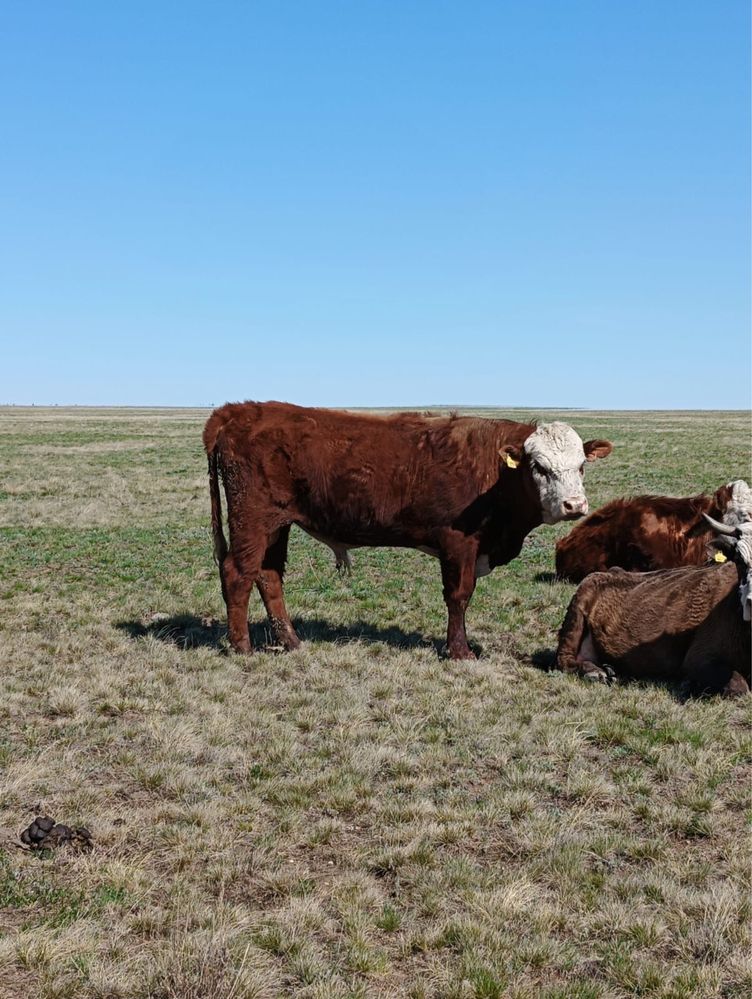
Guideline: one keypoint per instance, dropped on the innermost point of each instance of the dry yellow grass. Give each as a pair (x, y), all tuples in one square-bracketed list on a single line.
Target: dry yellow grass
[(361, 817)]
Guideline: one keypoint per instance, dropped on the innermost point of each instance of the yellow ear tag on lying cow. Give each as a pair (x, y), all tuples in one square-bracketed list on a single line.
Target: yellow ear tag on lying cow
[(509, 459), (719, 557)]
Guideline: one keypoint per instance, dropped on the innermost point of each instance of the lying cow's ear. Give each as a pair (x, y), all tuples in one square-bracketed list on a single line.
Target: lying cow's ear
[(725, 545), (510, 455), (597, 449)]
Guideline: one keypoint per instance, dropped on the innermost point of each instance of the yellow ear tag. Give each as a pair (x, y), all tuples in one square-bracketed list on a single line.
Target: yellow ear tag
[(510, 460), (719, 557)]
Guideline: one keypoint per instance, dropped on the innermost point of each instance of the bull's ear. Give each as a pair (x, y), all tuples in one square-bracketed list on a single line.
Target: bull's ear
[(597, 449), (510, 455)]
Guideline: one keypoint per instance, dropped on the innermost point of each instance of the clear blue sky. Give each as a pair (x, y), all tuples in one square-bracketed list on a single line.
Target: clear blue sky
[(376, 202)]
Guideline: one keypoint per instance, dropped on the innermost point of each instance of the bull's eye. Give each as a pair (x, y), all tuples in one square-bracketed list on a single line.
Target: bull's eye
[(539, 468)]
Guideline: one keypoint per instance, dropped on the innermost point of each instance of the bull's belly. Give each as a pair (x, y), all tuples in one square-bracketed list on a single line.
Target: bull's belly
[(342, 548), (338, 544)]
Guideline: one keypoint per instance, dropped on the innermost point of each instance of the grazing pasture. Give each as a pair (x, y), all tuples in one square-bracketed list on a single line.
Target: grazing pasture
[(362, 817)]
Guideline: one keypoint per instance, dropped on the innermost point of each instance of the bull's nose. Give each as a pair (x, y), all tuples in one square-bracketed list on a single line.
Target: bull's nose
[(575, 507)]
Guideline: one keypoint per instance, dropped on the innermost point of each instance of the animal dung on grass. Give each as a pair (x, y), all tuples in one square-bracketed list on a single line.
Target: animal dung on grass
[(46, 834)]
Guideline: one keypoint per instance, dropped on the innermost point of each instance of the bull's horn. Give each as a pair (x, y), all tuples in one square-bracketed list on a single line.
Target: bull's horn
[(719, 527)]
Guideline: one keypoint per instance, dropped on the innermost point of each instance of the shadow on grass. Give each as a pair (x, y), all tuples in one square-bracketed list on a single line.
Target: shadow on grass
[(544, 659), (186, 631), (547, 577)]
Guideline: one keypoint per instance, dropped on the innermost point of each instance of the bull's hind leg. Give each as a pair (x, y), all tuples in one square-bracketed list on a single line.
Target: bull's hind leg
[(270, 588), (242, 568), (237, 583)]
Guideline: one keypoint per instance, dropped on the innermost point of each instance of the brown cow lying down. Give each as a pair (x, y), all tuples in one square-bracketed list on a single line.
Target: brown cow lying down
[(649, 532), (687, 624), (463, 489)]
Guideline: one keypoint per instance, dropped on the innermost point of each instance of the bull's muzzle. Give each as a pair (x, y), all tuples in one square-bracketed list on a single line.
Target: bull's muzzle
[(575, 508)]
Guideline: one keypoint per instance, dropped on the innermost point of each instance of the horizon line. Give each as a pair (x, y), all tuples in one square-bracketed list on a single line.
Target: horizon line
[(408, 407)]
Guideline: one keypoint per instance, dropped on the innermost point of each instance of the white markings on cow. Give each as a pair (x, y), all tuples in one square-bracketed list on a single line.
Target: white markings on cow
[(743, 554), (739, 507)]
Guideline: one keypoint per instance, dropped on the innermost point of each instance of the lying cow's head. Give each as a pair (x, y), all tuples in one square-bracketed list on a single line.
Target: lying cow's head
[(553, 460), (736, 544)]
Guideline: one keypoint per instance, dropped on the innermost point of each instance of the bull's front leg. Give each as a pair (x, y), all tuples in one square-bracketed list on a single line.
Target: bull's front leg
[(458, 576)]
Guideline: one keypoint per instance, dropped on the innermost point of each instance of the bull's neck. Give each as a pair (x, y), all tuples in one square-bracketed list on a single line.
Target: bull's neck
[(514, 505), (512, 518)]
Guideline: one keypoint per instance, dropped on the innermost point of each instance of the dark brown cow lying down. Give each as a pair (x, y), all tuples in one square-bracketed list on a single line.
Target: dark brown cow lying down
[(463, 489), (649, 532), (687, 624)]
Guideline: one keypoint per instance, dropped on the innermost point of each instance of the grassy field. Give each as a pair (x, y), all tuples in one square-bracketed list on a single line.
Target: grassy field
[(361, 818)]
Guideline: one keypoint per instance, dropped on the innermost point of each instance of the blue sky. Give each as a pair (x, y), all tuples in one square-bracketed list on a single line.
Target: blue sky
[(391, 203)]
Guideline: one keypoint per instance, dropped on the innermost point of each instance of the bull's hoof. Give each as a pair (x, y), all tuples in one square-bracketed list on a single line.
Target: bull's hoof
[(241, 648), (466, 653), (290, 643)]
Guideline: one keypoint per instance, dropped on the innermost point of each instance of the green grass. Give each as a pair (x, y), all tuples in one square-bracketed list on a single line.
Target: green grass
[(362, 817)]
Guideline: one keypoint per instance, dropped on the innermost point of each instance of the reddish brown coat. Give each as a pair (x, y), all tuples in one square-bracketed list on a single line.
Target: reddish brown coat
[(641, 534), (460, 488), (682, 624)]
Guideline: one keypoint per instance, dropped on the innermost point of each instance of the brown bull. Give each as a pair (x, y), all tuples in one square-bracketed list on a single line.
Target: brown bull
[(688, 624), (463, 489), (649, 532)]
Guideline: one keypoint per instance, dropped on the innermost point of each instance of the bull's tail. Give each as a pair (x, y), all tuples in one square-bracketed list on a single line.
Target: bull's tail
[(220, 544), (212, 431)]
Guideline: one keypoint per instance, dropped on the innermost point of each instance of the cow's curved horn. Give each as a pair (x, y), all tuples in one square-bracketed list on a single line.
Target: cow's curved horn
[(719, 527)]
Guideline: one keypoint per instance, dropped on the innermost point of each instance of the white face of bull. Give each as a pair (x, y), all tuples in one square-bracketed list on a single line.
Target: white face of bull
[(556, 457)]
